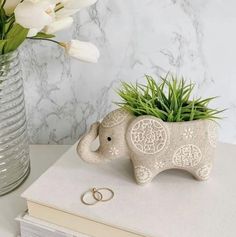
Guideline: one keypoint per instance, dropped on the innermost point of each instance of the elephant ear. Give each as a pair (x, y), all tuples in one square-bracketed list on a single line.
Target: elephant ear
[(147, 135), (115, 118)]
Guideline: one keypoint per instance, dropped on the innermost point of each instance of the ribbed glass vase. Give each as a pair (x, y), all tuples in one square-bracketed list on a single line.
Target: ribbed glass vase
[(14, 147)]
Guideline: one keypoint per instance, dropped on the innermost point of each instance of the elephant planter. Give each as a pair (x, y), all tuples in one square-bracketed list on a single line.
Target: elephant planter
[(152, 145)]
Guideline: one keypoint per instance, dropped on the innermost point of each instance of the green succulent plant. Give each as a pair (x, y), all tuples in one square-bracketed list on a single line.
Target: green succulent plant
[(171, 100)]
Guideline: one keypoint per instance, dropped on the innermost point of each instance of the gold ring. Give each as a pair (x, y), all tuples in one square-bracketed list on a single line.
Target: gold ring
[(97, 195), (100, 196), (99, 191), (93, 191)]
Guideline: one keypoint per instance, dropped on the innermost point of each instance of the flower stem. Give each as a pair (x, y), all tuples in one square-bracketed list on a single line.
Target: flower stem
[(58, 7), (51, 40)]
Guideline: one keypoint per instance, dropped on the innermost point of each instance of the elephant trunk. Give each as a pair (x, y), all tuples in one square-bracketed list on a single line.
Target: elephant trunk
[(84, 146)]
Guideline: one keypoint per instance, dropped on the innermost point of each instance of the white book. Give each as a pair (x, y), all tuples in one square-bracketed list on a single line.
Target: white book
[(33, 227), (174, 204)]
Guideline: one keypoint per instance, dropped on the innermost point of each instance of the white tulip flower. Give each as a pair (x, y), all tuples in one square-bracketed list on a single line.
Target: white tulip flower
[(34, 14), (10, 6), (58, 24), (70, 7), (84, 51)]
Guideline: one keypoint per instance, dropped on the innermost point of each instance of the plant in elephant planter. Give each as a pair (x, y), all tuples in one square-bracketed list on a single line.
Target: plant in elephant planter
[(159, 127)]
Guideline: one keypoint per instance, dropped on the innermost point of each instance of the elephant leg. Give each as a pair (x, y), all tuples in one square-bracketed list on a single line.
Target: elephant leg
[(143, 174), (202, 173), (142, 171)]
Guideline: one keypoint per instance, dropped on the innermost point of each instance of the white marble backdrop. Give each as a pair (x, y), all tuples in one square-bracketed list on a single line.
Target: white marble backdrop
[(194, 38)]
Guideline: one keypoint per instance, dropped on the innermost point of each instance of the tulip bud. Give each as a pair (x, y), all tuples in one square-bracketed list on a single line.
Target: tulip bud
[(59, 24), (84, 51)]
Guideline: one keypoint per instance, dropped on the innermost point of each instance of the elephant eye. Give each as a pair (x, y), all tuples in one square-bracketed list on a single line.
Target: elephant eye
[(109, 139)]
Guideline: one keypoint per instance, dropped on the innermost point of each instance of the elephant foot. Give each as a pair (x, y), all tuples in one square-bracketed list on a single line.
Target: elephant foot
[(203, 172), (143, 174)]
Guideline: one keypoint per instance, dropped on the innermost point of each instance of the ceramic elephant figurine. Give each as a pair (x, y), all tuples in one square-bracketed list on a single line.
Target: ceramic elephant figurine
[(152, 145)]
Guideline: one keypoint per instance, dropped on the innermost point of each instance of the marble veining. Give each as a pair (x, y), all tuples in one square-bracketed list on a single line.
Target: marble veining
[(191, 38)]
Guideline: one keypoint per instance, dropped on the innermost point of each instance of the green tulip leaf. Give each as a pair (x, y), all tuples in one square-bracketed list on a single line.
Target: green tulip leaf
[(2, 44), (14, 38), (44, 35)]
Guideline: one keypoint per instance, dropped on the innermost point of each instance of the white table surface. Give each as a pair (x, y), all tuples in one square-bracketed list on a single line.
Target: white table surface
[(42, 156), (11, 205)]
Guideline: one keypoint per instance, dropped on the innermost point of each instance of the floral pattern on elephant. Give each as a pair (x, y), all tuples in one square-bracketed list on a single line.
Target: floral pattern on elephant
[(187, 156), (143, 174), (188, 133), (115, 117), (114, 151), (149, 136), (204, 172), (162, 164)]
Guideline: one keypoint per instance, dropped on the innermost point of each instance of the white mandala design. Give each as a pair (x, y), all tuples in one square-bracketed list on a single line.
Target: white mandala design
[(212, 134), (149, 136), (204, 171), (187, 156), (142, 174)]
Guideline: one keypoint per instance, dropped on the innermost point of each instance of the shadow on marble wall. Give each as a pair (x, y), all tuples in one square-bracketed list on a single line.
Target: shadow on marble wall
[(191, 38)]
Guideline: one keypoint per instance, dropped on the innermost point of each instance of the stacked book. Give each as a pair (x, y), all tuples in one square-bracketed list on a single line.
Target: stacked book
[(33, 227), (174, 204)]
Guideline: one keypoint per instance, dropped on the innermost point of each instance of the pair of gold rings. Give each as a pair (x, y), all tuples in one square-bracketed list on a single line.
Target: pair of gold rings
[(95, 195)]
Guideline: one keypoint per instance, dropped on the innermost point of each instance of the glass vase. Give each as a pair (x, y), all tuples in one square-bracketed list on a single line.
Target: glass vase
[(14, 146)]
